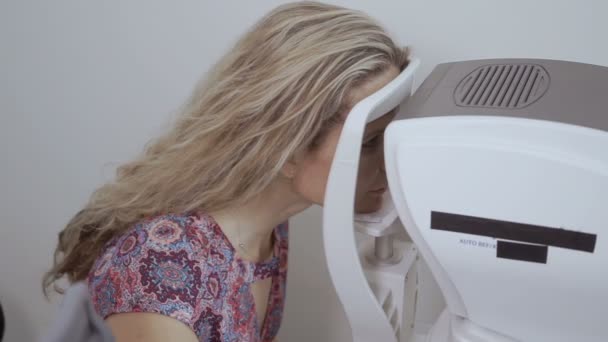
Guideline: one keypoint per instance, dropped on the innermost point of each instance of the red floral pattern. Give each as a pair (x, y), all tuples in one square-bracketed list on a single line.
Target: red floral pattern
[(184, 267)]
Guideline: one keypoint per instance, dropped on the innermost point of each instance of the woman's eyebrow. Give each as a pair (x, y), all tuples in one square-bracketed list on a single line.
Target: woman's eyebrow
[(380, 129), (372, 133)]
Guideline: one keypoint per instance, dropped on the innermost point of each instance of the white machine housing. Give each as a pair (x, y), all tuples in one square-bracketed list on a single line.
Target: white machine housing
[(498, 170)]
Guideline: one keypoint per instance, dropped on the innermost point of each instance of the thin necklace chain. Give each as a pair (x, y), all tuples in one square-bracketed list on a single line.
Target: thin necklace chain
[(242, 246)]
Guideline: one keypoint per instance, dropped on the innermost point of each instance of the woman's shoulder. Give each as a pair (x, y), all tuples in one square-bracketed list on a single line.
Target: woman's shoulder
[(167, 233), (158, 265)]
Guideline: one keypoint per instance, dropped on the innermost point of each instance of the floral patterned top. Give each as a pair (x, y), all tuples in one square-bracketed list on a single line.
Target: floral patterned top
[(183, 266)]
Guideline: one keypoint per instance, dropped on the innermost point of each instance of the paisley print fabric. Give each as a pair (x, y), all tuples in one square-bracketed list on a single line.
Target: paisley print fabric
[(184, 267)]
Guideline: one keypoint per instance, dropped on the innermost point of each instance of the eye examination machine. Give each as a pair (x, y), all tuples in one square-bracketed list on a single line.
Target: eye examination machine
[(497, 206), (498, 183)]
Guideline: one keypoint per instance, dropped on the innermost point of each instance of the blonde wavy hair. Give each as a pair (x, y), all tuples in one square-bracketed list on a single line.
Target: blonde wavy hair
[(273, 95)]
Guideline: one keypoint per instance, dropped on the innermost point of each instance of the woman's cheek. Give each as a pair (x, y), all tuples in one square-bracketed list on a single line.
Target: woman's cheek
[(367, 173)]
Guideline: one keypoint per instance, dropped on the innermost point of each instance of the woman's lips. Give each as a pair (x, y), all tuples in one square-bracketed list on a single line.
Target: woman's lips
[(378, 191)]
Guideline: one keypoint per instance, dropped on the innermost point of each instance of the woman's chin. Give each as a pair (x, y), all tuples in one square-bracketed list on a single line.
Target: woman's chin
[(371, 204)]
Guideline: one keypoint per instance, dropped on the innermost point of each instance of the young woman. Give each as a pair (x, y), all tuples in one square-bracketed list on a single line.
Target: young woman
[(189, 242)]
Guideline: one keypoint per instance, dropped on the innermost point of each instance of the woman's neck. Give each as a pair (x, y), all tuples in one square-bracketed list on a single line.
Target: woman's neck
[(249, 228)]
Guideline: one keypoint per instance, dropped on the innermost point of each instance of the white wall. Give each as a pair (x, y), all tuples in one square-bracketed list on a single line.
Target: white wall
[(84, 84)]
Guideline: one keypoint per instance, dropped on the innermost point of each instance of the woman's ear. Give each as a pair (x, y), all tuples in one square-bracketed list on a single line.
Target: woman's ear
[(291, 166), (289, 169)]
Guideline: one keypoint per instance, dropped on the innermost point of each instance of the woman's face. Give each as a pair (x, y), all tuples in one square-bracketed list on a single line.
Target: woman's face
[(310, 178)]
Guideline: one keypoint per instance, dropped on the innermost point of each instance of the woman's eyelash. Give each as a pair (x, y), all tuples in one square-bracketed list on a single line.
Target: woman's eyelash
[(372, 142)]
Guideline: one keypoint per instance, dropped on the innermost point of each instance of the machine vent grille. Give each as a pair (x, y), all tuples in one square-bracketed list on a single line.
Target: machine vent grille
[(508, 86)]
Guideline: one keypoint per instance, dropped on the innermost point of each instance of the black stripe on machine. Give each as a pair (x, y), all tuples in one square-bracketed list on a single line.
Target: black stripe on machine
[(521, 232), (522, 251)]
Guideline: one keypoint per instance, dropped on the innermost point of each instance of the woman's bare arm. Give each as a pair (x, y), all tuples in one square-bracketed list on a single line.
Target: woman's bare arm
[(148, 327)]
